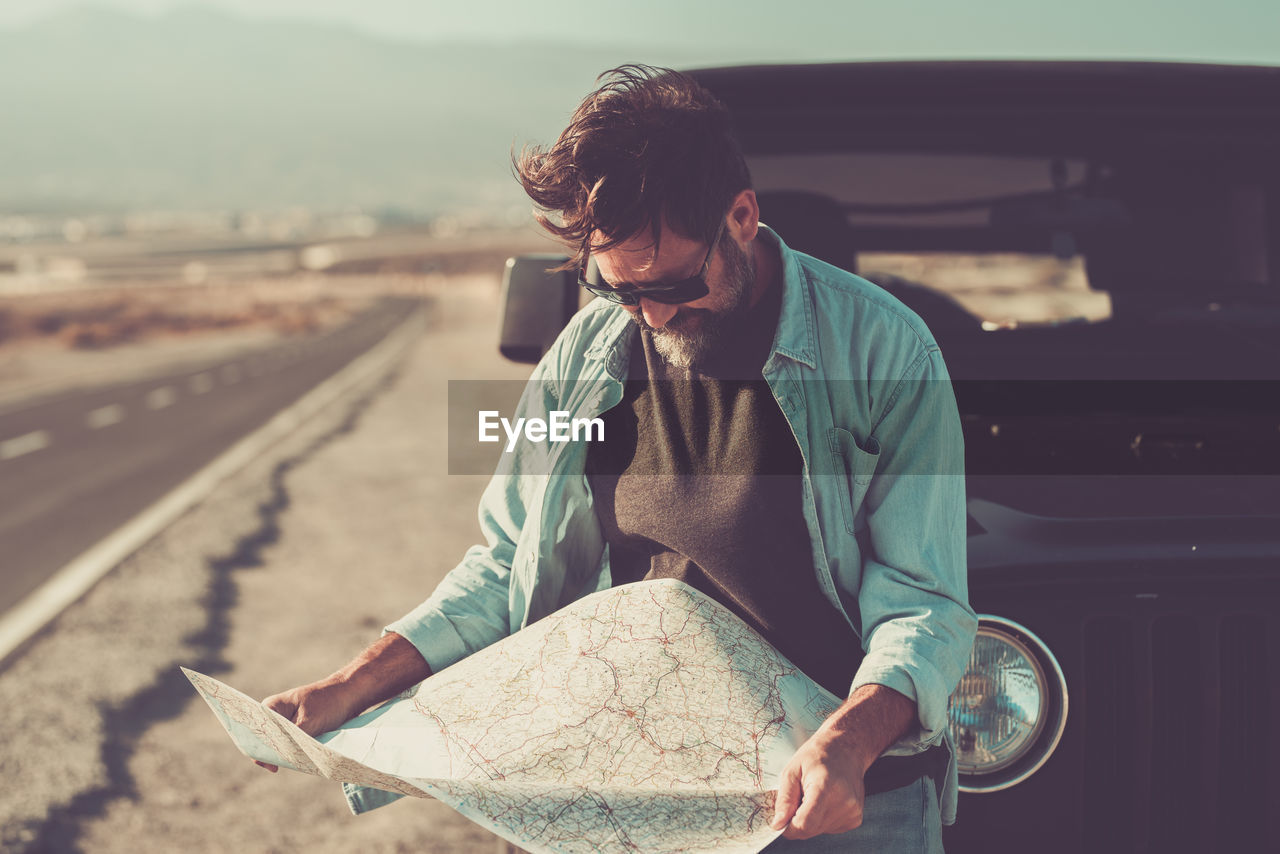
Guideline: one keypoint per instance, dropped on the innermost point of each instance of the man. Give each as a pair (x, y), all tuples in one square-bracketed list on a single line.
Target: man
[(781, 435)]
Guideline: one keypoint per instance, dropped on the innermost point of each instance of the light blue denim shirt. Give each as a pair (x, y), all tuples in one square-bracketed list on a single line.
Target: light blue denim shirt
[(861, 382)]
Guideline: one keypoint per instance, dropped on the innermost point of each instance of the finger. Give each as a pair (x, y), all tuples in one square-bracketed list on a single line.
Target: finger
[(846, 814), (312, 726), (281, 706), (808, 819), (788, 797), (272, 768)]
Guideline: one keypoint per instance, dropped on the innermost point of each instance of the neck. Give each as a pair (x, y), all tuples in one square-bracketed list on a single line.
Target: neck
[(768, 265)]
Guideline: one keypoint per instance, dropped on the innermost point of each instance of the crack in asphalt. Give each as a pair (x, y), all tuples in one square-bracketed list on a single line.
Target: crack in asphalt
[(123, 724)]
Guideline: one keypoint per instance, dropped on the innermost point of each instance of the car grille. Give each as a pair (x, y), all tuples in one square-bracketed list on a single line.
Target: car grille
[(1197, 689)]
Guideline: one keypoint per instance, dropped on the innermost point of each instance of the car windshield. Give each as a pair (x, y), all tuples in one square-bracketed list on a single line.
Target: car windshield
[(1002, 290), (1051, 266)]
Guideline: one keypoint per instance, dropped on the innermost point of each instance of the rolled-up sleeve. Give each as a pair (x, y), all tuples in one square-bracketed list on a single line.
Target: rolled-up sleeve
[(471, 608), (918, 626)]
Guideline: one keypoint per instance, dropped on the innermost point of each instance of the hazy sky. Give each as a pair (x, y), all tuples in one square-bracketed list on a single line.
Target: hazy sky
[(795, 30)]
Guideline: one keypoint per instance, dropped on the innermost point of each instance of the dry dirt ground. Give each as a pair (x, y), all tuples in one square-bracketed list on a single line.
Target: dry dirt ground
[(280, 576)]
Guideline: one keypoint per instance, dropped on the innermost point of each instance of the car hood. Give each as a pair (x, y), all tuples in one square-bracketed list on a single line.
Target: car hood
[(1056, 519)]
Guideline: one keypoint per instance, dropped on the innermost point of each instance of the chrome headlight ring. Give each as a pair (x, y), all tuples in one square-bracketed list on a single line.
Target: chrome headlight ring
[(1009, 711)]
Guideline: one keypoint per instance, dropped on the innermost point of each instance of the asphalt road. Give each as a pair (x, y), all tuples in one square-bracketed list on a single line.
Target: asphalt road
[(76, 467)]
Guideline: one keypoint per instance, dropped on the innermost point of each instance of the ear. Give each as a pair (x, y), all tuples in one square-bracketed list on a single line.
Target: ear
[(743, 219)]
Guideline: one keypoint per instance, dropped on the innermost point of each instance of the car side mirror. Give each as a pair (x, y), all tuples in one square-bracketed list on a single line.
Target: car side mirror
[(536, 305)]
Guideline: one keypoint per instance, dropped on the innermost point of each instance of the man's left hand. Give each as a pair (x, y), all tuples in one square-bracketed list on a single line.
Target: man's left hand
[(821, 789)]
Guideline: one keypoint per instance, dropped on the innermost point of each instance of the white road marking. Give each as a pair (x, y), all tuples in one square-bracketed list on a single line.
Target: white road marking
[(25, 444), (44, 603), (161, 397), (201, 383), (231, 374), (105, 416)]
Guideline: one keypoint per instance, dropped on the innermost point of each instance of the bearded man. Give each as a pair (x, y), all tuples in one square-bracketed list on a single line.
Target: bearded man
[(780, 434)]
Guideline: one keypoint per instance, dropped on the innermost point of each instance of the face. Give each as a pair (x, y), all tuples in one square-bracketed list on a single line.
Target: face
[(683, 334)]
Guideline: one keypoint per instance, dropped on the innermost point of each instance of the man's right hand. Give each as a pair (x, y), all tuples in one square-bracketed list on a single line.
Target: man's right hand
[(315, 708), (390, 665)]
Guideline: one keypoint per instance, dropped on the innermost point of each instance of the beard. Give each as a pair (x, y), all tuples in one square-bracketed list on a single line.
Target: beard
[(693, 334)]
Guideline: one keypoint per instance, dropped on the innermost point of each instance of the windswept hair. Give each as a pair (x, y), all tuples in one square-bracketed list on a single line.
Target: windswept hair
[(649, 146)]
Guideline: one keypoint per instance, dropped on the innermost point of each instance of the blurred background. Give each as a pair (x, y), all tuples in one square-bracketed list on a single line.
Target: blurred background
[(210, 210)]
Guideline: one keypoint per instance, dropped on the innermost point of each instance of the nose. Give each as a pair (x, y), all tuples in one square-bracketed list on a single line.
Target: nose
[(657, 314)]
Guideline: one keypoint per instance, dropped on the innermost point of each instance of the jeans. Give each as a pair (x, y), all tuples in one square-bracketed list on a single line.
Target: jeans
[(905, 820)]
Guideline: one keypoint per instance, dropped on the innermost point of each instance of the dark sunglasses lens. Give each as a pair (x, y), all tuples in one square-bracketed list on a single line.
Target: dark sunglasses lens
[(686, 291), (620, 297), (674, 294)]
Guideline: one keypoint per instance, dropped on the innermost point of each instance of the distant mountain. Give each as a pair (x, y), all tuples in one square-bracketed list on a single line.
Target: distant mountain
[(197, 110)]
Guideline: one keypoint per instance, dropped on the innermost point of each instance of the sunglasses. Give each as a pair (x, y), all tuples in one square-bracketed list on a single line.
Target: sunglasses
[(667, 293)]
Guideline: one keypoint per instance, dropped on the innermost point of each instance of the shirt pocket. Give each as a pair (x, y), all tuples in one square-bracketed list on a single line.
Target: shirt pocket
[(858, 464)]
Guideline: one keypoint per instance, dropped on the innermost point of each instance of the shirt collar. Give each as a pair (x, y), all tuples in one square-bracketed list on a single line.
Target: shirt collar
[(795, 336)]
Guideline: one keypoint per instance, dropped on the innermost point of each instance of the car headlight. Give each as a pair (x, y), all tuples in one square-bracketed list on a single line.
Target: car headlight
[(1010, 708)]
